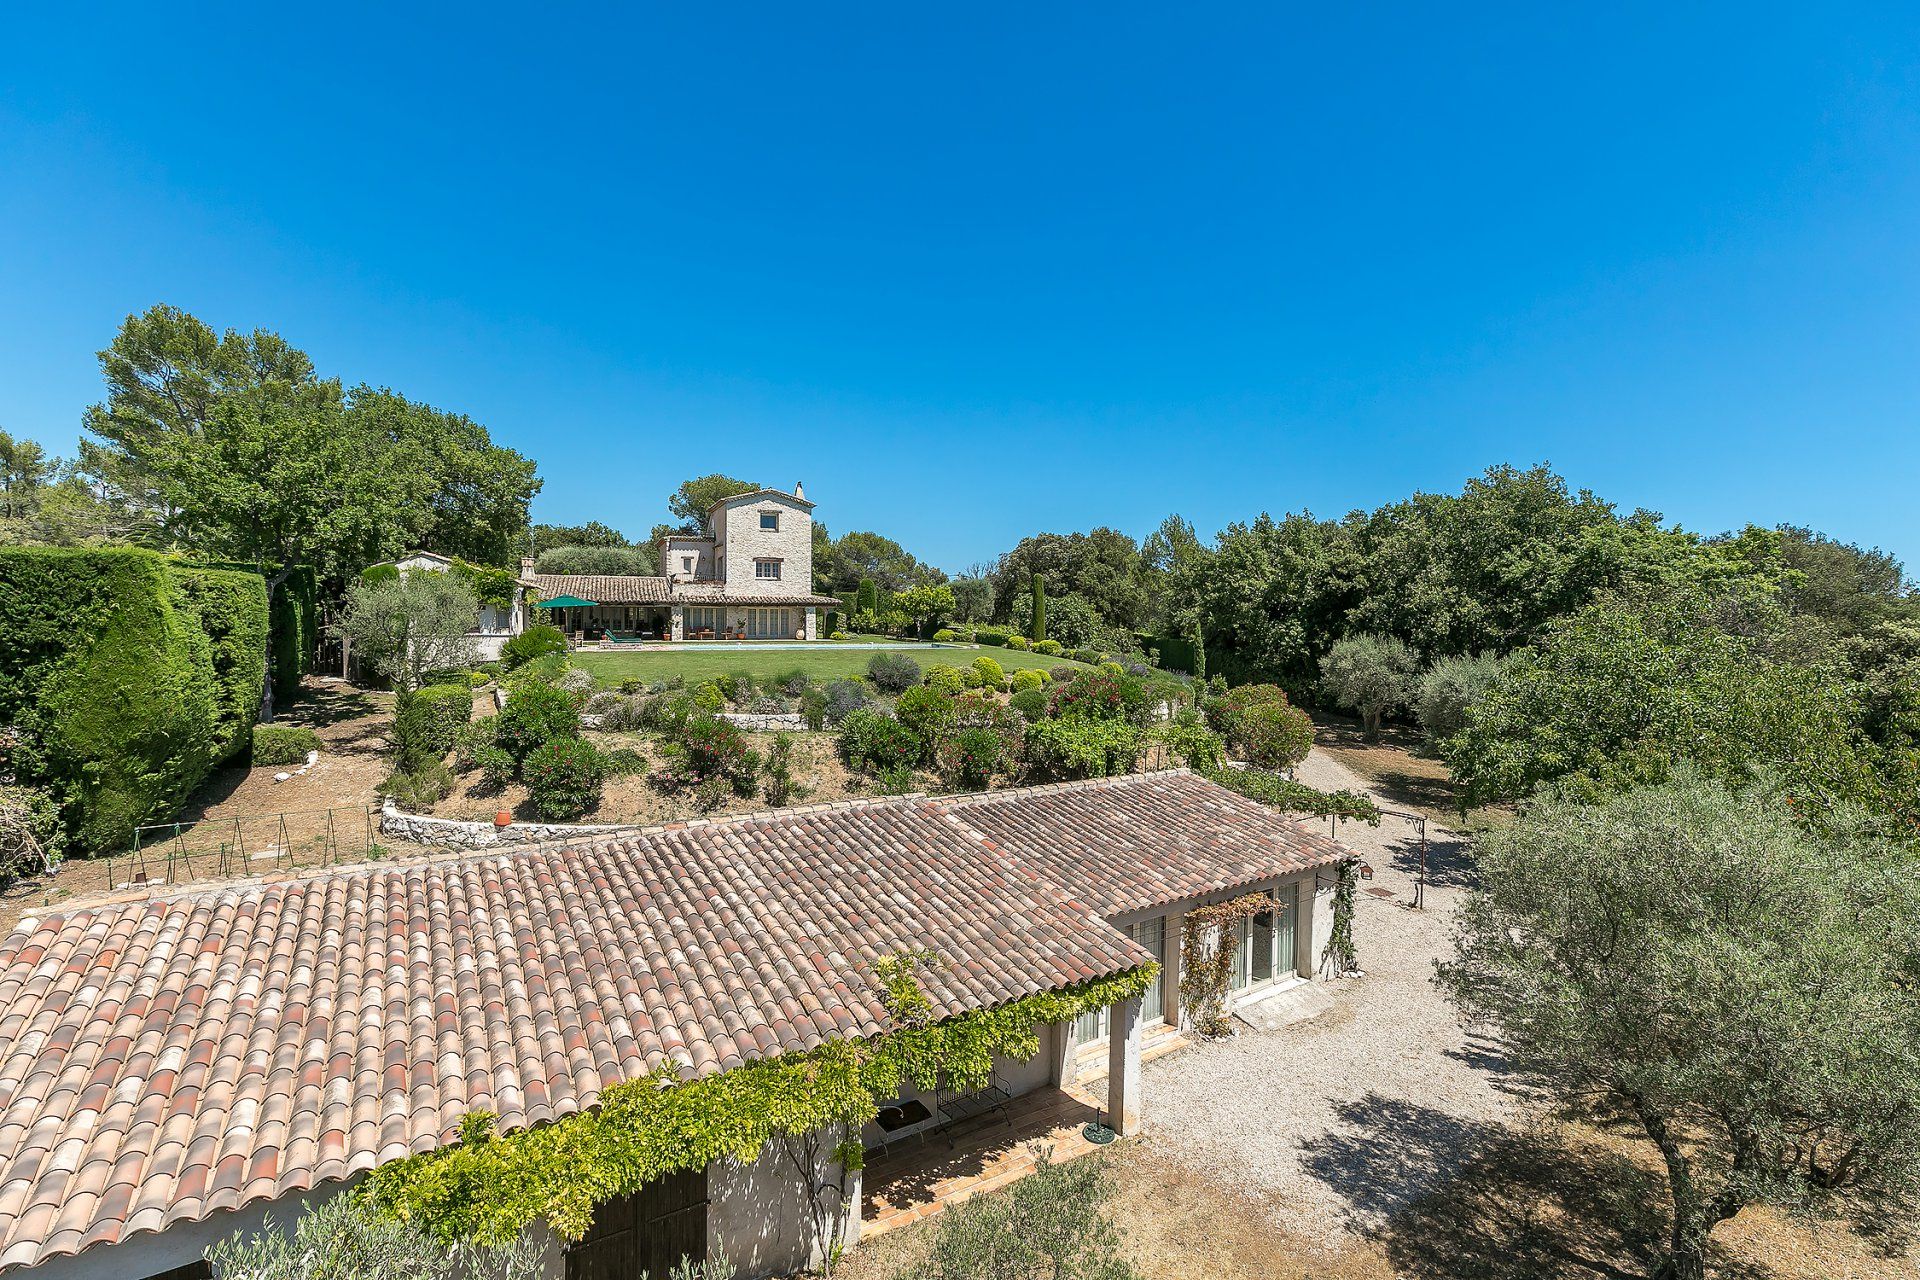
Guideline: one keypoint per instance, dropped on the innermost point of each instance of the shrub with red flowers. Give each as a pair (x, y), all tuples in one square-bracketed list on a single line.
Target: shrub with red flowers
[(875, 744), (970, 757), (709, 751), (1101, 695), (563, 779)]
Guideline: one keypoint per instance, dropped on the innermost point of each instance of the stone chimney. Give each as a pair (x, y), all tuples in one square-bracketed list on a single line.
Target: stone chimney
[(798, 492), (526, 566)]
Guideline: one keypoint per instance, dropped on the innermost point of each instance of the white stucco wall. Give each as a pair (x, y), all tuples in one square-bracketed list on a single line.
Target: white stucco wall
[(152, 1253), (757, 1213)]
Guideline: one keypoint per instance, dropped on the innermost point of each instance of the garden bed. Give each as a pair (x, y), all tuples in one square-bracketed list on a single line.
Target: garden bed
[(635, 799)]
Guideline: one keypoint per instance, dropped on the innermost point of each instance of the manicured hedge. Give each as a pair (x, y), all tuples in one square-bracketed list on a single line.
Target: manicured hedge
[(126, 677), (426, 721), (277, 744), (230, 605), (296, 624)]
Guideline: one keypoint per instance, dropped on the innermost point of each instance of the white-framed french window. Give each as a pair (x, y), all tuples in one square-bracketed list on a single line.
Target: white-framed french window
[(1265, 942), (769, 624), (1094, 1024), (766, 569)]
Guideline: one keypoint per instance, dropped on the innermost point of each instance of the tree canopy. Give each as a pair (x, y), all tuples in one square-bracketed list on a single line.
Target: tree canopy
[(1744, 988), (1624, 691), (695, 498)]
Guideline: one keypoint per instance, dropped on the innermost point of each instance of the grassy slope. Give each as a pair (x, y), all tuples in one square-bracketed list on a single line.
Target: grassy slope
[(819, 664)]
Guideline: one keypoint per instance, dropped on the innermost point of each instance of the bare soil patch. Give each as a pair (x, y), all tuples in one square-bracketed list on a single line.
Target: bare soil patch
[(241, 822), (1399, 770)]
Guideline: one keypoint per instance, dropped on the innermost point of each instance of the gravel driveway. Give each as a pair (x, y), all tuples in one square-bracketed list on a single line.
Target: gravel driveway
[(1333, 1125)]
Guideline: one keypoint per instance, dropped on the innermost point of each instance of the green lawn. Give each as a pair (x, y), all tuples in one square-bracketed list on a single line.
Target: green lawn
[(821, 665)]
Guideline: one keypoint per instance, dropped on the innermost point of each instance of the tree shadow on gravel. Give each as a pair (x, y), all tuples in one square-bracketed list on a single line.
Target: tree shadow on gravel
[(1534, 1203), (1448, 865), (1388, 1152), (1485, 1054), (1466, 1200)]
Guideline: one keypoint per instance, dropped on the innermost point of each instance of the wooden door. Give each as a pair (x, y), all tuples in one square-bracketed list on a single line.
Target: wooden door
[(646, 1233)]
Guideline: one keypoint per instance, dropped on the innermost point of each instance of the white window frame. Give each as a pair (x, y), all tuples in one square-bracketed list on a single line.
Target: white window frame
[(773, 516), (763, 562), (1282, 963), (1093, 1026)]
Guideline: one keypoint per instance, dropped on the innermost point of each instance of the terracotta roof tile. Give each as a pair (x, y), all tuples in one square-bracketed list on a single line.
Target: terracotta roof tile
[(164, 1059)]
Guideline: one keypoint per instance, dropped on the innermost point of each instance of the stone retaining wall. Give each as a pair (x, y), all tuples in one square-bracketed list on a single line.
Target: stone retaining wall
[(766, 721), (452, 833)]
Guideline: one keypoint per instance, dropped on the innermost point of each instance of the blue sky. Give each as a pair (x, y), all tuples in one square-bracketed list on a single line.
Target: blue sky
[(973, 272)]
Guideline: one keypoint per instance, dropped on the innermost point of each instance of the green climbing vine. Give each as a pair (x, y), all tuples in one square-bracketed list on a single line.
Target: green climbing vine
[(491, 1186), (1295, 797), (1340, 958), (1207, 942)]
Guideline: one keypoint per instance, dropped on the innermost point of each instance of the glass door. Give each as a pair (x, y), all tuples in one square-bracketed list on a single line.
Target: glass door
[(1265, 943), (1286, 913)]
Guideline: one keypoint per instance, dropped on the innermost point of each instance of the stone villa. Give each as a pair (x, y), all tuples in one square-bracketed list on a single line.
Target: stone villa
[(747, 576)]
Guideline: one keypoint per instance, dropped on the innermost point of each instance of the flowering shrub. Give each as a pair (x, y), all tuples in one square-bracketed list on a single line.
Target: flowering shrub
[(1259, 723), (563, 779), (716, 749), (876, 744), (970, 757), (535, 715), (1101, 695), (928, 712)]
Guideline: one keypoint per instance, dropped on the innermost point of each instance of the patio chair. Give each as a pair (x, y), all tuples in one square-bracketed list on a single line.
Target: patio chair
[(958, 1105)]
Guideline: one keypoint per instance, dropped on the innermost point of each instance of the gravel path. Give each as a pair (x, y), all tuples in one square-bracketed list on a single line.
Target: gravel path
[(1333, 1125)]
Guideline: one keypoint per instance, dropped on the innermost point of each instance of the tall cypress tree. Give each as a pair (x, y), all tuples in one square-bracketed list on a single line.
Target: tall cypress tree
[(1039, 610), (868, 598)]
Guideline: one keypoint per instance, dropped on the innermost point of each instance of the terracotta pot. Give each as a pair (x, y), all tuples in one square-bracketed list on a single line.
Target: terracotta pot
[(502, 819)]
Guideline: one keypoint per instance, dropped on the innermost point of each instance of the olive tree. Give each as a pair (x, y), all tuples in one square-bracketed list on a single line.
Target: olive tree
[(1744, 988), (344, 1238), (408, 625), (1371, 675), (1448, 688), (1047, 1226)]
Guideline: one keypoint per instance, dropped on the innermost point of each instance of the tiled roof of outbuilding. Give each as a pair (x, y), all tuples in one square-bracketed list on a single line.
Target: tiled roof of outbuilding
[(1132, 843), (163, 1059)]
